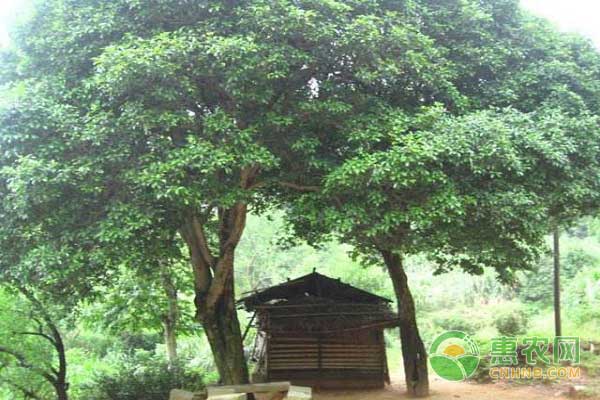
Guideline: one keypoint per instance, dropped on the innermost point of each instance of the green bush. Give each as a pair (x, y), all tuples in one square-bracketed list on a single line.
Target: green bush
[(96, 343), (132, 341), (511, 323), (482, 373), (142, 376), (591, 363), (457, 322)]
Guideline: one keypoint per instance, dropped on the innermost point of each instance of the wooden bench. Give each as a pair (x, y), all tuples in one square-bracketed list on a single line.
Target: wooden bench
[(278, 391)]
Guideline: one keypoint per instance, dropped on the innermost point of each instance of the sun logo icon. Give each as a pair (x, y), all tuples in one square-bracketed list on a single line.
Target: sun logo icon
[(454, 356)]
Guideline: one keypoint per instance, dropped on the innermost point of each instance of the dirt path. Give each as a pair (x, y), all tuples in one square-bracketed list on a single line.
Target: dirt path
[(442, 390)]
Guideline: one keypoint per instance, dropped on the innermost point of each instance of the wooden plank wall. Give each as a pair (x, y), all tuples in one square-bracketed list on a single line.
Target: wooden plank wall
[(360, 355)]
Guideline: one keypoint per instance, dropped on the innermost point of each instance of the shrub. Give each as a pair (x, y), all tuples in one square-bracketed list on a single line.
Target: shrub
[(482, 373), (95, 343), (457, 322), (142, 376), (591, 363), (132, 341), (511, 323)]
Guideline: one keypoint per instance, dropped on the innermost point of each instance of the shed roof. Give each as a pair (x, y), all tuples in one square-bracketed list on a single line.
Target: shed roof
[(314, 285)]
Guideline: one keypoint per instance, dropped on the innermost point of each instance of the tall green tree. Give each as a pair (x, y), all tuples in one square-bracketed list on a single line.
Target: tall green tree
[(141, 122), (470, 182), (468, 191), (33, 363), (154, 299), (146, 120)]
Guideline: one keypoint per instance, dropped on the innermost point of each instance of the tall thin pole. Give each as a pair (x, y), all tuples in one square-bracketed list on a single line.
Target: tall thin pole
[(557, 324)]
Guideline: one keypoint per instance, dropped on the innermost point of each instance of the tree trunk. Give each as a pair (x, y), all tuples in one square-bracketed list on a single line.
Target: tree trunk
[(58, 377), (213, 281), (61, 392), (170, 336), (413, 349), (61, 386), (557, 322), (171, 319), (223, 331), (214, 288)]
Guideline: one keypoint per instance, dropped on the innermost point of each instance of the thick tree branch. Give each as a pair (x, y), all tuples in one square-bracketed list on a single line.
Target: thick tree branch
[(248, 176), (23, 363), (236, 222), (202, 260), (27, 392), (41, 334), (300, 188), (197, 234), (60, 379), (232, 222)]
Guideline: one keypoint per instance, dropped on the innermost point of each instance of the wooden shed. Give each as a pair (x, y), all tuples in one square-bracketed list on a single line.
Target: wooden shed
[(320, 332)]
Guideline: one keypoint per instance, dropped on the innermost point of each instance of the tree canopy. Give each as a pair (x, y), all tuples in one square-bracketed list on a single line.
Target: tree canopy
[(402, 127)]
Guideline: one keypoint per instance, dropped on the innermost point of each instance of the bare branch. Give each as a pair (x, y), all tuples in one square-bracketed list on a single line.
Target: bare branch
[(23, 363), (27, 392), (41, 334), (57, 342)]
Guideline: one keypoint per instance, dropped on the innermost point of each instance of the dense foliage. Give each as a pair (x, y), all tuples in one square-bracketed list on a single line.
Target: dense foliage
[(453, 300), (32, 351), (138, 135), (142, 375)]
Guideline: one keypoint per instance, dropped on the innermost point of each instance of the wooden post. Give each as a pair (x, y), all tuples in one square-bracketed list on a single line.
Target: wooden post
[(320, 360), (383, 356), (248, 327), (267, 346), (557, 322)]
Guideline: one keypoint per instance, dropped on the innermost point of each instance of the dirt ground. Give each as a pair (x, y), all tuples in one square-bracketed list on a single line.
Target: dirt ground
[(442, 390)]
